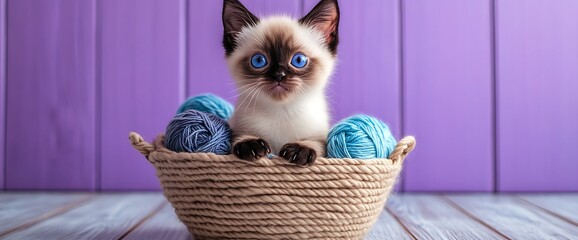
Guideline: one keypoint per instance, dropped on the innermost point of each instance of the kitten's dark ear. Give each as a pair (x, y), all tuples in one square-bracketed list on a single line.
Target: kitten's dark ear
[(235, 17), (325, 18)]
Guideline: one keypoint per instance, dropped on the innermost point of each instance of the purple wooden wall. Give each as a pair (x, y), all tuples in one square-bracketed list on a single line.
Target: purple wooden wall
[(51, 95), (2, 87), (537, 92), (488, 87), (448, 94), (141, 75)]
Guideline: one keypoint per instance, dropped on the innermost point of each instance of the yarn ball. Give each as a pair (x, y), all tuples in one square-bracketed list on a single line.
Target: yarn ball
[(361, 137), (208, 103), (195, 131)]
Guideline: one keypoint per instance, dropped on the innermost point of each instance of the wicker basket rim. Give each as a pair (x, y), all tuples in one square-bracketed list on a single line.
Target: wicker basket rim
[(397, 156)]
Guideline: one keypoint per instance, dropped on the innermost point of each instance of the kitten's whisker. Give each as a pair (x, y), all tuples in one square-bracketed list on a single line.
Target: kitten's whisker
[(253, 94), (331, 102), (331, 106), (250, 96), (302, 89), (245, 98), (330, 89), (248, 85), (255, 103), (243, 90), (246, 88)]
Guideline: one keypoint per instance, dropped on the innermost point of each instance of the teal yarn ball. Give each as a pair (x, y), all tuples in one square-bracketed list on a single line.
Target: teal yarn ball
[(195, 131), (361, 137), (208, 103)]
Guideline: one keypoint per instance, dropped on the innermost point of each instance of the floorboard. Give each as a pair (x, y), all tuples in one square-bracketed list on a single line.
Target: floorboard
[(163, 225), (513, 218), (406, 216), (562, 205), (387, 227), (19, 209), (104, 217), (430, 217)]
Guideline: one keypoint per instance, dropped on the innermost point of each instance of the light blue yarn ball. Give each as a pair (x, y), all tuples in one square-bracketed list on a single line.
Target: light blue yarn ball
[(195, 131), (361, 137), (208, 103)]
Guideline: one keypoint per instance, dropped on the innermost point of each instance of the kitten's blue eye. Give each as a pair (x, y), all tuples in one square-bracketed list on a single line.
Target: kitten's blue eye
[(258, 60), (299, 60)]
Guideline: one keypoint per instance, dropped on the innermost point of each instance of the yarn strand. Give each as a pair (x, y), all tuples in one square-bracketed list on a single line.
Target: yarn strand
[(360, 136), (195, 131)]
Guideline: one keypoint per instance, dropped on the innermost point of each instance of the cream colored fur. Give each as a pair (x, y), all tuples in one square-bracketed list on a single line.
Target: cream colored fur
[(303, 115)]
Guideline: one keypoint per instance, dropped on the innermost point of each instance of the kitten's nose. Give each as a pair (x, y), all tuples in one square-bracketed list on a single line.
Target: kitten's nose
[(280, 75)]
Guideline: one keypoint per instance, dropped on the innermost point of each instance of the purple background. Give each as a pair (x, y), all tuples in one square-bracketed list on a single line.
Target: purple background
[(488, 87)]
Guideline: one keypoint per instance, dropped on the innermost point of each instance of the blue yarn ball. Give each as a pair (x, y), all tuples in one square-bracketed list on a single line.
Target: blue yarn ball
[(361, 137), (195, 131), (208, 103)]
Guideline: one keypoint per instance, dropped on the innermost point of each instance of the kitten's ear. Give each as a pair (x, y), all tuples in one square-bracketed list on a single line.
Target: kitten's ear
[(235, 17), (325, 18)]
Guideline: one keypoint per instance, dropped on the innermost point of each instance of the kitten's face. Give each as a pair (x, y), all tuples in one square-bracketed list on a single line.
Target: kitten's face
[(279, 58)]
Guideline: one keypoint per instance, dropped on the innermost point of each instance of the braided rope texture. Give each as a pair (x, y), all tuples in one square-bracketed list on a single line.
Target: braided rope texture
[(222, 197)]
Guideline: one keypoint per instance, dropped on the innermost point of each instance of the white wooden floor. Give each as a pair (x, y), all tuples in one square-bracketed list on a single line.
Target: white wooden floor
[(407, 216)]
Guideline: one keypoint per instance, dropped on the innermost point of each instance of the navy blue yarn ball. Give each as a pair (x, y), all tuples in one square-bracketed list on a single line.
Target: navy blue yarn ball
[(196, 131)]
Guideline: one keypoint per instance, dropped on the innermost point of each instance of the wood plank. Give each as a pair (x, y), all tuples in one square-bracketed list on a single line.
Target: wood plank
[(448, 95), (108, 216), (537, 72), (430, 217), (564, 205), (387, 227), (263, 8), (50, 128), (2, 88), (142, 75), (207, 69), (507, 215), (163, 225), (25, 209), (367, 77)]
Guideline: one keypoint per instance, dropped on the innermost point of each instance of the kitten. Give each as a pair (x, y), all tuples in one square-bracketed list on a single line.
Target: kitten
[(281, 67)]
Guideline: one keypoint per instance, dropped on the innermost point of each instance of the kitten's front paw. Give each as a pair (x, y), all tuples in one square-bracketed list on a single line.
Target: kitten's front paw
[(251, 149), (298, 154)]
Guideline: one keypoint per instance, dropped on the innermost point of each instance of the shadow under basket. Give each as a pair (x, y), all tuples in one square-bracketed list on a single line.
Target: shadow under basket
[(223, 197)]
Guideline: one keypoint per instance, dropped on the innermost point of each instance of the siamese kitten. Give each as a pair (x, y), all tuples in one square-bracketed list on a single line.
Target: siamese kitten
[(281, 67)]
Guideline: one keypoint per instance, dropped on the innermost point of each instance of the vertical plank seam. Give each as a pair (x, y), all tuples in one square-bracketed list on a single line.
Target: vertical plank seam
[(4, 113), (400, 222), (534, 206), (401, 74), (472, 216), (55, 212), (144, 219), (184, 58), (98, 94), (494, 86)]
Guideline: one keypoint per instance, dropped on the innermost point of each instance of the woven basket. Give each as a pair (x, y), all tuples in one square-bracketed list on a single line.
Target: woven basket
[(222, 197)]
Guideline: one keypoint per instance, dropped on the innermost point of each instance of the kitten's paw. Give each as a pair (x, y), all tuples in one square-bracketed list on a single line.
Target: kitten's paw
[(298, 154), (251, 149)]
